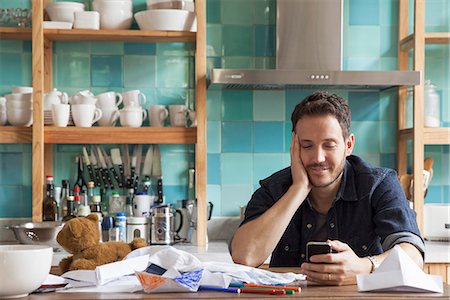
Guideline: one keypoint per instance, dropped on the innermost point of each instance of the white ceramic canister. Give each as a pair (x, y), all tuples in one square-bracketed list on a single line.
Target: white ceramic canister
[(432, 105), (137, 227)]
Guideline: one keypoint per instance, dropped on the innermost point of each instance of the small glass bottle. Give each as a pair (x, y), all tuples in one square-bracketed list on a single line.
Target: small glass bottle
[(90, 192), (96, 207), (129, 203), (121, 223), (50, 207), (116, 203), (65, 192), (70, 214)]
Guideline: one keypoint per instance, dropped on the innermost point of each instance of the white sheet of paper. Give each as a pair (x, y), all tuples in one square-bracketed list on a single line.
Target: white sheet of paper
[(109, 272), (126, 284), (399, 273), (53, 279)]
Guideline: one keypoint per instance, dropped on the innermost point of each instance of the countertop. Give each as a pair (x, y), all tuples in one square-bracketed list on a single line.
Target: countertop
[(436, 252)]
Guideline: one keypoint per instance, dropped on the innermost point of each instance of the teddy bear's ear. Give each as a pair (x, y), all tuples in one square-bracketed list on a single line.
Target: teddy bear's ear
[(92, 217), (76, 228)]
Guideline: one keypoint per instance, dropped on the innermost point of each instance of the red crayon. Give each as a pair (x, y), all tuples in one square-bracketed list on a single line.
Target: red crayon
[(267, 292)]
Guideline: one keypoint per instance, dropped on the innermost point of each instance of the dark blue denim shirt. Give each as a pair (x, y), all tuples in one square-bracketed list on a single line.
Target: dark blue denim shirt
[(370, 213)]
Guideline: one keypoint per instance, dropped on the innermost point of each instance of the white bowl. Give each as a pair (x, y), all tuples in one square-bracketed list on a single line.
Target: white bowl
[(166, 19), (114, 14), (19, 97), (175, 4), (17, 104), (22, 89), (23, 268), (67, 4), (57, 25), (19, 116), (63, 13)]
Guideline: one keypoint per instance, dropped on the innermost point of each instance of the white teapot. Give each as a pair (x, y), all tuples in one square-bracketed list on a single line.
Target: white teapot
[(55, 97)]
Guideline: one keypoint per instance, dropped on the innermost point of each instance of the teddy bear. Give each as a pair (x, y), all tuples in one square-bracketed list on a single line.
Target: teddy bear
[(80, 237)]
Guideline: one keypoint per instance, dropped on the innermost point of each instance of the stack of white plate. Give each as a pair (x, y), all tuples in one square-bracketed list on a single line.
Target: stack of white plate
[(176, 15)]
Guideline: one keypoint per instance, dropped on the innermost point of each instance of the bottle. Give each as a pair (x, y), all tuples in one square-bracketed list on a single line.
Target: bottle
[(83, 209), (432, 105), (90, 192), (121, 223), (70, 214), (116, 203), (129, 203), (96, 207), (57, 196), (191, 184), (50, 208), (65, 192)]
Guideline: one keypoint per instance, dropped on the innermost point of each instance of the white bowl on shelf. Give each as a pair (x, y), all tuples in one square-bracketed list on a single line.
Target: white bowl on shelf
[(20, 116), (63, 11), (167, 19), (23, 268), (114, 14), (171, 4), (57, 25)]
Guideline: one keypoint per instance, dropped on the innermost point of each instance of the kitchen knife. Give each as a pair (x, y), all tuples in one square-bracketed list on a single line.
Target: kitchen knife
[(88, 164), (126, 155), (101, 170), (147, 168), (117, 160), (133, 167), (111, 167), (156, 172), (138, 166), (93, 160), (105, 167)]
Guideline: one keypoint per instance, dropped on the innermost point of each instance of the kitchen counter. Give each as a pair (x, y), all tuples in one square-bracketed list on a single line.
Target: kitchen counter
[(436, 252)]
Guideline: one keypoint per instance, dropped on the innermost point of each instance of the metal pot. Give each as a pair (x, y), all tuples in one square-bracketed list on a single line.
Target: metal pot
[(38, 233)]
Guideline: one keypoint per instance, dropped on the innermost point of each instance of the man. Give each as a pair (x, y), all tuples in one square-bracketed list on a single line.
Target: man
[(327, 194)]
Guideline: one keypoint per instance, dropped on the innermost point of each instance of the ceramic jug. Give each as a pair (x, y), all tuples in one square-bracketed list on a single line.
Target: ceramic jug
[(55, 97)]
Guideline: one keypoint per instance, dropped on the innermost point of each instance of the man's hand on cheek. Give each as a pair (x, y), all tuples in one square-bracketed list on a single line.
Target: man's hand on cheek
[(299, 175)]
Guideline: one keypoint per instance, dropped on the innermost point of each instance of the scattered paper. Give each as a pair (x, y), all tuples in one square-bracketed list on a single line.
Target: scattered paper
[(186, 282), (399, 273)]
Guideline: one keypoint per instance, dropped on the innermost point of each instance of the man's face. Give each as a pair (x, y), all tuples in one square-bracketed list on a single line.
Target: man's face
[(322, 148)]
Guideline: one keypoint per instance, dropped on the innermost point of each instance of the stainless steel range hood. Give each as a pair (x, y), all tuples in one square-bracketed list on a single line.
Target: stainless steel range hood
[(309, 55)]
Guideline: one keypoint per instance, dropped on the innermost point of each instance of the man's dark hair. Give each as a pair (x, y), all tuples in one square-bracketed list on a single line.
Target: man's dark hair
[(322, 104)]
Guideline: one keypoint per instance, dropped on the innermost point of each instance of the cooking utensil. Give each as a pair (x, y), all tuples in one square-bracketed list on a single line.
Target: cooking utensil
[(117, 160), (111, 167), (101, 170), (104, 166), (37, 233), (126, 156), (156, 172), (93, 160), (80, 179), (147, 168), (138, 166), (88, 164)]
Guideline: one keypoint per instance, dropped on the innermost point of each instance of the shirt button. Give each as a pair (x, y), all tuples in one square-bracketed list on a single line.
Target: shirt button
[(364, 247), (332, 225), (302, 255), (309, 226), (286, 248)]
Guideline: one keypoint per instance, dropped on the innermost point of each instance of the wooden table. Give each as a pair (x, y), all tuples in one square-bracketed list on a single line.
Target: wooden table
[(310, 292)]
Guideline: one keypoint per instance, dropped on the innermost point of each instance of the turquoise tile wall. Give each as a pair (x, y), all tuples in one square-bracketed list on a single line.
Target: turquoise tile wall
[(240, 149)]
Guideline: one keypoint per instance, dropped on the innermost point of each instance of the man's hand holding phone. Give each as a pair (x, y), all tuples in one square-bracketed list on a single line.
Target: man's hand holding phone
[(332, 262)]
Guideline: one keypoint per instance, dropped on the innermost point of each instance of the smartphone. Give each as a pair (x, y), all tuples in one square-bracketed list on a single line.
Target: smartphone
[(314, 248)]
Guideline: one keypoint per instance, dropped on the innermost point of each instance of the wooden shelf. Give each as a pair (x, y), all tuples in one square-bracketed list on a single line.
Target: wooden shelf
[(436, 136), (7, 33), (13, 134), (405, 134), (430, 38), (119, 135), (149, 36)]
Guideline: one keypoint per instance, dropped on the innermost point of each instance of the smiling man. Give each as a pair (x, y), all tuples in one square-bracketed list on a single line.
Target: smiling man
[(327, 194)]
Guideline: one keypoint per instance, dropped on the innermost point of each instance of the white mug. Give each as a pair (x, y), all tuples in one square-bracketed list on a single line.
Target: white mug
[(142, 205), (109, 116), (84, 115), (60, 114), (178, 115), (109, 99), (134, 98), (132, 116), (157, 114)]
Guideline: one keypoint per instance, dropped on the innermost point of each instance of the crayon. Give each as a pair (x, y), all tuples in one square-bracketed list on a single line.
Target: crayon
[(218, 289), (276, 287), (263, 291)]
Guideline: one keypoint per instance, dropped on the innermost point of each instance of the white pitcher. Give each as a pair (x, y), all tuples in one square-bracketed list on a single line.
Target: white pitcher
[(54, 97)]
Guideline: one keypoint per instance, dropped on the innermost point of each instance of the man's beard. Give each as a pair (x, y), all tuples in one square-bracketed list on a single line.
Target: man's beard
[(341, 167)]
